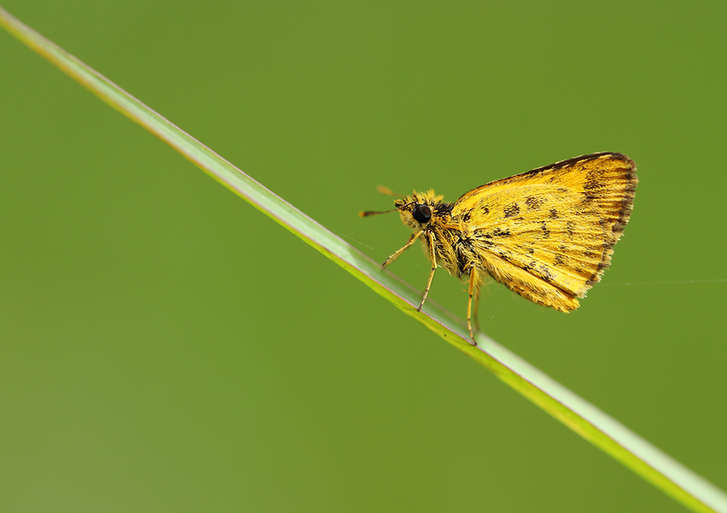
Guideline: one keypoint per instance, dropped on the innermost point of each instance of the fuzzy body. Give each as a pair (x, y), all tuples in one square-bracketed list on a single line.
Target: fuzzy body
[(547, 234), (452, 239)]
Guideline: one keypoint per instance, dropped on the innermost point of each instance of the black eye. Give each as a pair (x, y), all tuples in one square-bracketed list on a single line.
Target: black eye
[(422, 213)]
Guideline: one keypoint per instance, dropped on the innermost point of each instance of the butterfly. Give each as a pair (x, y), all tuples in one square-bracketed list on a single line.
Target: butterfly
[(547, 234)]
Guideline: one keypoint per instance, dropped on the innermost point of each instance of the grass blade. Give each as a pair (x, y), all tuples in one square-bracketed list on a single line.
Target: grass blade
[(580, 416)]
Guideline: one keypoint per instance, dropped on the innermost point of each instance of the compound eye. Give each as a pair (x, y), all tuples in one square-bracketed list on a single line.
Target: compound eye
[(422, 213)]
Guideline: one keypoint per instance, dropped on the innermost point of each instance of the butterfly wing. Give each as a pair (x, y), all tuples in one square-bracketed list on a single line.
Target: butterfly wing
[(548, 234)]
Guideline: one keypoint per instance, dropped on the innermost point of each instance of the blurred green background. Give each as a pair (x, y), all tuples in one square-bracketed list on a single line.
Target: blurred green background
[(165, 347)]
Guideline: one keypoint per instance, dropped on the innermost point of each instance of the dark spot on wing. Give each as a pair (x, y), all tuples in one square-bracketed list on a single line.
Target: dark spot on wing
[(559, 259), (467, 215), (512, 210), (570, 228), (505, 255), (545, 230), (485, 210), (534, 203), (546, 274), (553, 213), (596, 276), (618, 227), (593, 180), (497, 232)]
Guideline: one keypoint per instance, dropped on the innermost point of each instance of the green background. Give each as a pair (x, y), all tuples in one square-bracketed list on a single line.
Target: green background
[(165, 347)]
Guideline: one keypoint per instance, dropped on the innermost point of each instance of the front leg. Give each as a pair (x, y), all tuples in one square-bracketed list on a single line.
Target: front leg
[(433, 257), (398, 252)]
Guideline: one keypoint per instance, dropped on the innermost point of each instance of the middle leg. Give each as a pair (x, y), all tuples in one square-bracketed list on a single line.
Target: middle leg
[(473, 290), (433, 258)]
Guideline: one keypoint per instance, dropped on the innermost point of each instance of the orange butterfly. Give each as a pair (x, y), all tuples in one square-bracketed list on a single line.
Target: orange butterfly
[(547, 234)]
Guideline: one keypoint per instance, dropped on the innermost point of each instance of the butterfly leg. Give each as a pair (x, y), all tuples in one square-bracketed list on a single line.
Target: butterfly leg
[(474, 290), (476, 309), (398, 252), (433, 257)]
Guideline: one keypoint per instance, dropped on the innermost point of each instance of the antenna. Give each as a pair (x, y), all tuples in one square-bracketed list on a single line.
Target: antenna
[(367, 213), (385, 190)]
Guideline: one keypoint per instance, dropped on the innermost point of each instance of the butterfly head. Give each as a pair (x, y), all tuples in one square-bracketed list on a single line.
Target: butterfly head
[(418, 209)]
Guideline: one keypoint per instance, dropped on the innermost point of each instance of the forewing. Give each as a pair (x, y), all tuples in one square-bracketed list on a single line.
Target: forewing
[(548, 234)]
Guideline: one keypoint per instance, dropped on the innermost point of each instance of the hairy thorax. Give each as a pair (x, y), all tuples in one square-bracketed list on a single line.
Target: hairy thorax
[(453, 245)]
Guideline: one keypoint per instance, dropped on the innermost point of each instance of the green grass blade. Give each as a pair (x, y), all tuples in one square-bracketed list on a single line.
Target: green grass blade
[(580, 416)]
